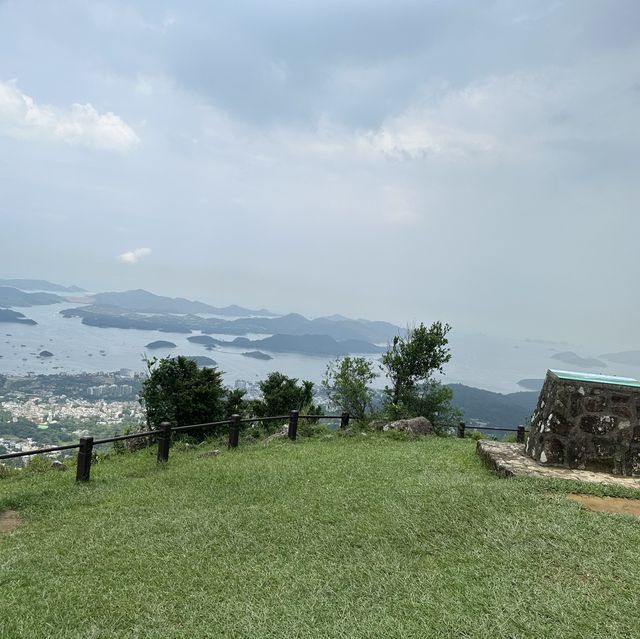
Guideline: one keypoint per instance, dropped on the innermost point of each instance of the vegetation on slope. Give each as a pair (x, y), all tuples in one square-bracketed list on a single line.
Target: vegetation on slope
[(362, 536)]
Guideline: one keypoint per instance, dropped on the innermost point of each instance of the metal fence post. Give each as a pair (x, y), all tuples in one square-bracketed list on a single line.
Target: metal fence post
[(520, 435), (85, 451), (234, 431), (344, 420), (461, 427), (164, 441), (293, 425)]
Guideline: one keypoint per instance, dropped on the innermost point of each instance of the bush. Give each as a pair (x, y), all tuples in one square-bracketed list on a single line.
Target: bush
[(7, 471), (38, 464)]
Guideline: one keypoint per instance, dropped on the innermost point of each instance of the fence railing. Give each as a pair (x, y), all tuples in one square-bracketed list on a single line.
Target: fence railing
[(519, 431), (164, 435)]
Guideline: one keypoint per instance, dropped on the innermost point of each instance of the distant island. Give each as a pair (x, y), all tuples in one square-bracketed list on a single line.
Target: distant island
[(257, 355), (160, 343), (569, 357), (304, 344), (202, 360), (531, 384), (13, 317), (205, 340)]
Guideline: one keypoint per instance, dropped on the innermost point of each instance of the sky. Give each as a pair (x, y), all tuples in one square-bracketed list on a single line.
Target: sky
[(475, 162)]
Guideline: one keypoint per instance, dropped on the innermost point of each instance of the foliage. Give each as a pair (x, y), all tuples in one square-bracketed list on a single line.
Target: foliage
[(281, 394), (432, 400), (38, 464), (413, 359), (7, 471), (178, 391), (347, 382), (410, 364)]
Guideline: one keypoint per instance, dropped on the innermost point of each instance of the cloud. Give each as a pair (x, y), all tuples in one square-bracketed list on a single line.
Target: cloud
[(134, 256), (81, 124)]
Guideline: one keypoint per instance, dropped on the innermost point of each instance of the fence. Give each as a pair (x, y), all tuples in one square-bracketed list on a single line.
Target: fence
[(519, 431), (163, 436), (165, 432)]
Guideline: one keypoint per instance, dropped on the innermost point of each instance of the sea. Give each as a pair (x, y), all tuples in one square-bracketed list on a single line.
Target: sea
[(489, 362)]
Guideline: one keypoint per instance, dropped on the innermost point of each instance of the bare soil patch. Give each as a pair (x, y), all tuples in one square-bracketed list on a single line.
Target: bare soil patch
[(608, 504), (9, 521)]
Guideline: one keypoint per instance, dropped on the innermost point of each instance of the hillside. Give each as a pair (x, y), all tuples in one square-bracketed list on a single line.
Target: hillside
[(142, 301), (39, 285), (358, 537), (10, 297), (495, 409)]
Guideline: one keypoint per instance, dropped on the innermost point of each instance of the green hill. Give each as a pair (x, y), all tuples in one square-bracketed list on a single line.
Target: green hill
[(358, 537), (502, 411)]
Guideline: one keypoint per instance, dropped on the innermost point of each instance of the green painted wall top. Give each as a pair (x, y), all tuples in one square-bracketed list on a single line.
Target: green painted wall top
[(595, 377)]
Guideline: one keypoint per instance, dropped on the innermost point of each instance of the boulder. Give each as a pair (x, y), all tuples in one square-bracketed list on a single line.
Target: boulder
[(415, 426)]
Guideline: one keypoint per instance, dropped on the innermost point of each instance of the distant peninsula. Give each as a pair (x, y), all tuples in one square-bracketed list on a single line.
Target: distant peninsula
[(141, 301), (631, 358), (40, 285), (257, 355), (160, 343), (569, 357), (10, 296), (13, 317)]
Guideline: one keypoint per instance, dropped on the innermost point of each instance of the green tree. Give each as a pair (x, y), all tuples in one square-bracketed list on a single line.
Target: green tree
[(281, 394), (413, 359), (178, 391), (347, 383)]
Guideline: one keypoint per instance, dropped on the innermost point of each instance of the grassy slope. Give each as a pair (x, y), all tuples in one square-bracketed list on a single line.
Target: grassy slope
[(349, 537)]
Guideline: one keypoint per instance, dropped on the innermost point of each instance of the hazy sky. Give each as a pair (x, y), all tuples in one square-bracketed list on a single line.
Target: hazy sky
[(475, 162)]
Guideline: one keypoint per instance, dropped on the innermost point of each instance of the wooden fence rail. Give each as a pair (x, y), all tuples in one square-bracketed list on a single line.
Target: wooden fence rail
[(164, 435)]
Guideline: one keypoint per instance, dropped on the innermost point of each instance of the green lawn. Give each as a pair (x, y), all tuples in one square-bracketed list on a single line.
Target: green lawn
[(346, 537)]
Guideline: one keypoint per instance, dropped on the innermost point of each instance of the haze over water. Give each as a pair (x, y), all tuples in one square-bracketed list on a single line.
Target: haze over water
[(482, 361)]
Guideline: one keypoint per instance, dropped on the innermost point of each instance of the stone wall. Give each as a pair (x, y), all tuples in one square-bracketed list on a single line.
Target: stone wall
[(589, 425)]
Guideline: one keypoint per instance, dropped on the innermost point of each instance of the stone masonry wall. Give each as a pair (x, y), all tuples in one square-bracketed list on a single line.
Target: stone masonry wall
[(588, 425)]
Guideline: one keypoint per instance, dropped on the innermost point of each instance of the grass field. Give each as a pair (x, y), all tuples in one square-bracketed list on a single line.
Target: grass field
[(346, 537)]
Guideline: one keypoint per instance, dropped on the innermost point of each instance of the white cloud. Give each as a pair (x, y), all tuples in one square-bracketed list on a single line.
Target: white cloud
[(134, 256), (81, 124)]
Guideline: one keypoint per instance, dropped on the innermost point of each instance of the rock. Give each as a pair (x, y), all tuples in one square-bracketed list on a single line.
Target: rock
[(415, 426), (58, 465), (45, 354), (283, 432)]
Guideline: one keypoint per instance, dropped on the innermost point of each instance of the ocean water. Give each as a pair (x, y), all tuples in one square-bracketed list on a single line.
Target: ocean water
[(488, 362)]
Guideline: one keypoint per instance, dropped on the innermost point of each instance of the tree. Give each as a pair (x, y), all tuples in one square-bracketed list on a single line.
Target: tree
[(178, 391), (347, 382), (413, 359), (281, 394)]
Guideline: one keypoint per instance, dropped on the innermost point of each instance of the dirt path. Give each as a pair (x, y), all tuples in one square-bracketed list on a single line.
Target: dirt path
[(9, 521), (608, 504)]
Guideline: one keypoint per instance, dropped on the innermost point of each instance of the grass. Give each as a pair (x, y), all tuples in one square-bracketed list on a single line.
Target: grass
[(343, 537)]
